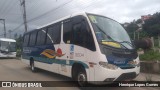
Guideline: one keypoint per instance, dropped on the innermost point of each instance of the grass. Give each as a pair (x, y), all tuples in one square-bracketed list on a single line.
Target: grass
[(150, 55)]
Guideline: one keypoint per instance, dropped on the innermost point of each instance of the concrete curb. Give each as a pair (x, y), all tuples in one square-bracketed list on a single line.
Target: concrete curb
[(147, 77), (152, 67)]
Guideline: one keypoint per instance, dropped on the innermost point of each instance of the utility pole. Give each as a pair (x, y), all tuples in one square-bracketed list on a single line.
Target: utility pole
[(24, 14), (4, 27), (9, 31)]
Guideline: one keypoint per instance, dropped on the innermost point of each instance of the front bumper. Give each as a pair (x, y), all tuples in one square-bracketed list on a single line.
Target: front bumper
[(104, 74)]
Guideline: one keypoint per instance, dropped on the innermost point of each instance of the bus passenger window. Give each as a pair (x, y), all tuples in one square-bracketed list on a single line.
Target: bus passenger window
[(79, 35), (77, 32), (54, 34), (33, 38), (67, 32), (82, 33), (41, 36), (26, 40)]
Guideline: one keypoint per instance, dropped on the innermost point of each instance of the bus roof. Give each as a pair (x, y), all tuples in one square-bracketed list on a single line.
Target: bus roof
[(61, 19), (69, 16), (7, 40)]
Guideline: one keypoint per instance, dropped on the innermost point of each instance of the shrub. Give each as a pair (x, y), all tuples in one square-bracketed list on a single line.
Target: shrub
[(150, 55)]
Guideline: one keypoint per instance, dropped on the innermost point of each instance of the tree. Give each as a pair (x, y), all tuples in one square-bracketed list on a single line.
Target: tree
[(15, 36), (139, 21), (19, 42), (131, 29), (152, 25)]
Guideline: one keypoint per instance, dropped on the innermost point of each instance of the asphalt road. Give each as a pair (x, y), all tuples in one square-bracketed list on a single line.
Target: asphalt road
[(15, 70)]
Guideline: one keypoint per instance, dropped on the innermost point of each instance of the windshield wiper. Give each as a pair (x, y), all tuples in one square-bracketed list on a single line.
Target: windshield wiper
[(129, 43), (112, 39)]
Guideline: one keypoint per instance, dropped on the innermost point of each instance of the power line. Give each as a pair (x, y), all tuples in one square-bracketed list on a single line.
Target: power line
[(36, 18), (51, 11), (3, 7), (9, 7), (35, 8), (40, 16), (15, 29)]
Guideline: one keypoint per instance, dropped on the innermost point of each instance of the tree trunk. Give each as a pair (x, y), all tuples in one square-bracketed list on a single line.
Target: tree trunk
[(138, 35), (159, 40), (134, 35), (152, 39)]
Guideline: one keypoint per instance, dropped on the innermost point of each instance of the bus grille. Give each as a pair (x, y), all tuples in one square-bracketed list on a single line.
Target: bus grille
[(127, 67), (126, 76)]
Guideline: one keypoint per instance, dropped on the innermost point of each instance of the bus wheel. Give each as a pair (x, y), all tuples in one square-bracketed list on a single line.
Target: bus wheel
[(32, 66), (82, 78)]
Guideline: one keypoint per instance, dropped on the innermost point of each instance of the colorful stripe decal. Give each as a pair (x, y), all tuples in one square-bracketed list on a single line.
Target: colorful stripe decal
[(56, 61)]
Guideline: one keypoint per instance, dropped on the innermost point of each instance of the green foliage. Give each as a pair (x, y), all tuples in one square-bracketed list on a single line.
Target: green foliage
[(139, 21), (143, 34), (150, 55), (152, 25), (156, 42), (18, 53), (132, 27), (19, 44)]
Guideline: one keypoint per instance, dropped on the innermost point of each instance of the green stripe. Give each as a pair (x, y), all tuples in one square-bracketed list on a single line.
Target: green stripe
[(56, 61), (71, 62)]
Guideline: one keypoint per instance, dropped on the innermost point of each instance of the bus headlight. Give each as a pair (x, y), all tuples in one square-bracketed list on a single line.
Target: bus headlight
[(107, 65), (134, 63)]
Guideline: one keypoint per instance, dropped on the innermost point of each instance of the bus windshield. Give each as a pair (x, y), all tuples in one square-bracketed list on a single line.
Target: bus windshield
[(8, 46), (110, 32)]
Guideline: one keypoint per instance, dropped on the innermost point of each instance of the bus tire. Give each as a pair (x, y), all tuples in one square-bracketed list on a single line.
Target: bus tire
[(33, 69), (82, 78)]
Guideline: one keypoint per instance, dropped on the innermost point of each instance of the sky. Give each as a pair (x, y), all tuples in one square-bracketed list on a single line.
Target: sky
[(41, 12)]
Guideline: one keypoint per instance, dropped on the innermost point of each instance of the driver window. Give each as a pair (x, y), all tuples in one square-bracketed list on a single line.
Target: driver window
[(76, 31)]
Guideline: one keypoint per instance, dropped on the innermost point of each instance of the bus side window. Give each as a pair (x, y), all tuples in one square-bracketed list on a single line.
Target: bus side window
[(33, 38), (67, 32), (79, 34), (76, 31), (54, 34), (82, 33), (26, 40), (41, 36)]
